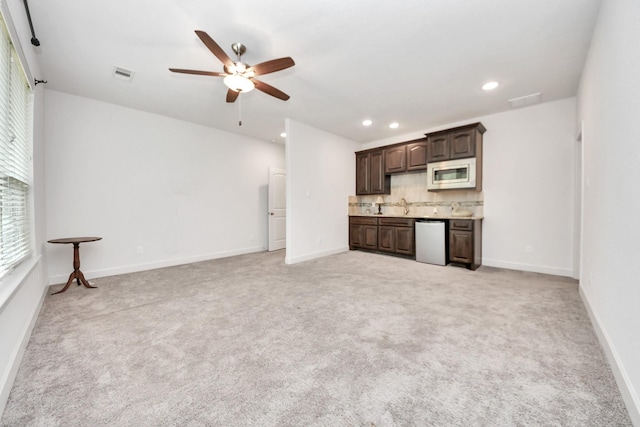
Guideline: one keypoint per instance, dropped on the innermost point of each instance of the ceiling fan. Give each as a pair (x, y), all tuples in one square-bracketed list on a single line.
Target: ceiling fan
[(238, 76)]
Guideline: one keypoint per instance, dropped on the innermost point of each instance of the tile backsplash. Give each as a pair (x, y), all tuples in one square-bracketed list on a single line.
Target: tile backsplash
[(413, 188)]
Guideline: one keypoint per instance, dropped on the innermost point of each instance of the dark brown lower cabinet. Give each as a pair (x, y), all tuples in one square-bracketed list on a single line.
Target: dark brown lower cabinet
[(465, 242), (386, 240), (405, 241), (392, 235), (363, 233), (397, 236)]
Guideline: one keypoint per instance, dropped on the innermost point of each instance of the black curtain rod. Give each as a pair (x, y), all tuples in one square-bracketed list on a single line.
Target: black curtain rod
[(34, 40)]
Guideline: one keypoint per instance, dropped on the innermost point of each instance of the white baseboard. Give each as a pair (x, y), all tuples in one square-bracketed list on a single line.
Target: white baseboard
[(7, 380), (555, 271), (93, 274), (308, 257), (629, 394)]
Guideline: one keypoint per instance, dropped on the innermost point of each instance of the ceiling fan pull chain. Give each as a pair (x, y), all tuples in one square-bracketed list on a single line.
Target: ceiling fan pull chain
[(239, 111)]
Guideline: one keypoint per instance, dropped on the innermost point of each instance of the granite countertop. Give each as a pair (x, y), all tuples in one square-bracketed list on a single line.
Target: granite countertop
[(420, 216)]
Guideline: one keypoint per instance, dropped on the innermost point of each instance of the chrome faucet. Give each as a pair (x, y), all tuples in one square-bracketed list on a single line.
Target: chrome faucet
[(403, 203)]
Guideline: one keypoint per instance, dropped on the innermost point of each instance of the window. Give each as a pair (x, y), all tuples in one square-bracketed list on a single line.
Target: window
[(16, 112)]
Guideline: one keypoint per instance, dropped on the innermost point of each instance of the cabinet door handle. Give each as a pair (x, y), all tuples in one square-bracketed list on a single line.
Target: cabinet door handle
[(271, 213)]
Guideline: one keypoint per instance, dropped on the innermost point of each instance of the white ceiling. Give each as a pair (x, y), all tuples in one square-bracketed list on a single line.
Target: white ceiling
[(418, 62)]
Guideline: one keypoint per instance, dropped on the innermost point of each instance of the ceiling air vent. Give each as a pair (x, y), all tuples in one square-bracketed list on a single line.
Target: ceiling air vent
[(123, 74), (525, 101)]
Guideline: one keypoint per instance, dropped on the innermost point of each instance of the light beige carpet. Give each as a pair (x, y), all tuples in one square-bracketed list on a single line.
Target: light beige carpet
[(354, 339)]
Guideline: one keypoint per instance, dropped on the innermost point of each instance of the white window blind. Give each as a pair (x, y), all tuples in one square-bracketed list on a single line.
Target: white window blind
[(16, 112)]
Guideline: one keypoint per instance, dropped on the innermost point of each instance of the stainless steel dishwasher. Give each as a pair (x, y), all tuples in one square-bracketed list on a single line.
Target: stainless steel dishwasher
[(431, 242)]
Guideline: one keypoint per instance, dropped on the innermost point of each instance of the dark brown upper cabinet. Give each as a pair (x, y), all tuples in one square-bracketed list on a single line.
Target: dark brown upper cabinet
[(370, 176), (395, 159), (438, 147), (380, 183), (456, 143), (363, 173), (417, 156), (463, 144), (406, 157)]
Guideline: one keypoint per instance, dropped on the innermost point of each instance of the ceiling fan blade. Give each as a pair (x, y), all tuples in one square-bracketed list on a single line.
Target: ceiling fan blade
[(270, 90), (272, 66), (201, 73), (214, 48), (232, 95)]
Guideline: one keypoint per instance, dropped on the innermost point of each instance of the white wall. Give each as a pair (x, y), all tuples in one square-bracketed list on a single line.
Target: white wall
[(609, 106), (22, 292), (180, 192), (528, 186), (320, 179)]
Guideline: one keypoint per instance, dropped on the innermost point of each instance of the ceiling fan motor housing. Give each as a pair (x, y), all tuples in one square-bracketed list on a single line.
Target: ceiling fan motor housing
[(239, 49)]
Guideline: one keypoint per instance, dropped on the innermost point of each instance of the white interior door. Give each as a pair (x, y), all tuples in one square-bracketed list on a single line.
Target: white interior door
[(277, 209)]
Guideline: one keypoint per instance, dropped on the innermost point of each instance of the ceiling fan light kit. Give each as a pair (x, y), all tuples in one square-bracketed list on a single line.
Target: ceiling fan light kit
[(238, 76), (238, 83)]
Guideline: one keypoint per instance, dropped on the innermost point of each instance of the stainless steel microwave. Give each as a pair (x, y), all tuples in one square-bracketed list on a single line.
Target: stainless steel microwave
[(452, 174)]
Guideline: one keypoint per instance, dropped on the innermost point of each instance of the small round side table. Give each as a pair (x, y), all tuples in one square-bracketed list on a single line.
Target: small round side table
[(76, 274)]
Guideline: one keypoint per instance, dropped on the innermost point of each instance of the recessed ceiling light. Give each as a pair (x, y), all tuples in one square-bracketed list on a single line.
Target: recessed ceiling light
[(394, 125), (367, 122), (283, 134), (490, 85)]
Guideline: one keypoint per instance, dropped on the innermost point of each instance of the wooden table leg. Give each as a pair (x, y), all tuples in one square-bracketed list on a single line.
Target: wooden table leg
[(71, 277), (76, 261), (84, 281), (77, 274)]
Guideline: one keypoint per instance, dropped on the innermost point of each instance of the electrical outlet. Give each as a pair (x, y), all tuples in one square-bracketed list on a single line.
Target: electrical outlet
[(139, 250), (528, 249)]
